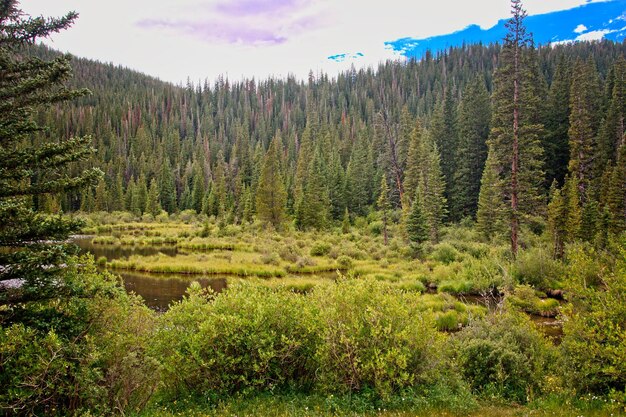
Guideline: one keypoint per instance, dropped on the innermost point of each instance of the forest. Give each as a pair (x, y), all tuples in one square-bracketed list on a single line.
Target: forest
[(444, 236)]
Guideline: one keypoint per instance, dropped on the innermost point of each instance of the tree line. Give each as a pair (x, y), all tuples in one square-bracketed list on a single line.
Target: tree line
[(439, 131)]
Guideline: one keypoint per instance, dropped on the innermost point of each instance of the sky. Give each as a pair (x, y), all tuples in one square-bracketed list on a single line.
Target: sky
[(203, 39)]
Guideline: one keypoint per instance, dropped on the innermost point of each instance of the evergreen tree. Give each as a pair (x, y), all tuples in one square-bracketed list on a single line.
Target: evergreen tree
[(345, 223), (573, 208), (432, 187), (153, 205), (383, 205), (614, 125), (312, 210), (414, 160), (28, 171), (584, 97), (444, 131), (271, 197), (101, 199), (557, 220), (556, 143), (616, 194), (474, 116), (197, 193), (167, 187), (489, 218), (514, 147), (416, 226)]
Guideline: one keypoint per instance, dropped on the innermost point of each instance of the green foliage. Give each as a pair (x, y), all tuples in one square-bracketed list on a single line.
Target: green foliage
[(538, 268), (85, 352), (594, 342), (416, 226), (373, 337), (247, 338), (271, 196), (505, 356), (320, 249)]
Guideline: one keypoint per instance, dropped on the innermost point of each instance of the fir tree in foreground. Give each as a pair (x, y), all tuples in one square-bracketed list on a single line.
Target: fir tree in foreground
[(26, 171)]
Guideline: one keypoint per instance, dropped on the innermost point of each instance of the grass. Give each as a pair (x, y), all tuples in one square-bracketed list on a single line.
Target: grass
[(312, 405), (196, 264)]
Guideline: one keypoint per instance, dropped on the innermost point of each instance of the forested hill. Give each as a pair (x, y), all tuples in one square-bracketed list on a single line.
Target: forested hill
[(203, 147)]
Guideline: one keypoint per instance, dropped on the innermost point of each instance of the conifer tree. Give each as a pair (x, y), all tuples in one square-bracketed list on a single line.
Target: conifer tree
[(432, 188), (271, 197), (167, 187), (416, 226), (414, 160), (28, 171), (556, 142), (573, 208), (616, 194), (584, 97), (614, 125), (312, 210), (514, 147), (101, 198), (474, 116), (489, 218), (345, 223), (557, 220), (383, 205), (153, 206), (444, 131)]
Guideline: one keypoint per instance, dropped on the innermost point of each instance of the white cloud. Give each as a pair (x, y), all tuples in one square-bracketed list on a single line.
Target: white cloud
[(580, 28), (108, 31), (594, 35)]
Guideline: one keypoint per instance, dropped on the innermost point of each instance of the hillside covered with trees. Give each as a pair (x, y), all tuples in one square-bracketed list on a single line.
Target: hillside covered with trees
[(436, 237)]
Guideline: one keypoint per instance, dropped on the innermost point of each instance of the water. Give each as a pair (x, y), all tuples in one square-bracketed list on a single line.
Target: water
[(159, 292)]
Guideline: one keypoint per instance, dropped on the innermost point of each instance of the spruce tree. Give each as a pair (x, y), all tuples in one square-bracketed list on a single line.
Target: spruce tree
[(556, 142), (271, 197), (616, 194), (313, 208), (416, 226), (167, 187), (584, 102), (557, 220), (474, 116), (153, 205), (384, 206), (514, 141), (444, 131), (432, 188), (28, 171), (614, 124)]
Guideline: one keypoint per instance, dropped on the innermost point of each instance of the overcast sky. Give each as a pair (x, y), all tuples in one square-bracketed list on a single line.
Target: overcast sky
[(199, 39)]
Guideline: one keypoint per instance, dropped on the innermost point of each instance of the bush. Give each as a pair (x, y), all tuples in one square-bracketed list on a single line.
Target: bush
[(376, 228), (244, 339), (344, 262), (373, 337), (536, 267), (504, 356), (594, 342), (320, 249), (270, 259), (85, 351), (445, 253)]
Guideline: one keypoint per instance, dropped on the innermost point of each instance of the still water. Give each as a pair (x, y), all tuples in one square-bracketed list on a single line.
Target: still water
[(157, 290)]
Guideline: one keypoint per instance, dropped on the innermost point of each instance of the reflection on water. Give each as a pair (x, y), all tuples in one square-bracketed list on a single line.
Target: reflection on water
[(159, 291), (120, 251)]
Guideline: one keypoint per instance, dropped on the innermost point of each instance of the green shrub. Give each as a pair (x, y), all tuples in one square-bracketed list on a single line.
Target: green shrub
[(594, 342), (345, 262), (445, 253), (536, 267), (320, 249), (78, 352), (102, 261), (456, 287), (376, 228), (270, 259), (244, 339), (448, 321), (373, 336), (504, 356), (525, 298)]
